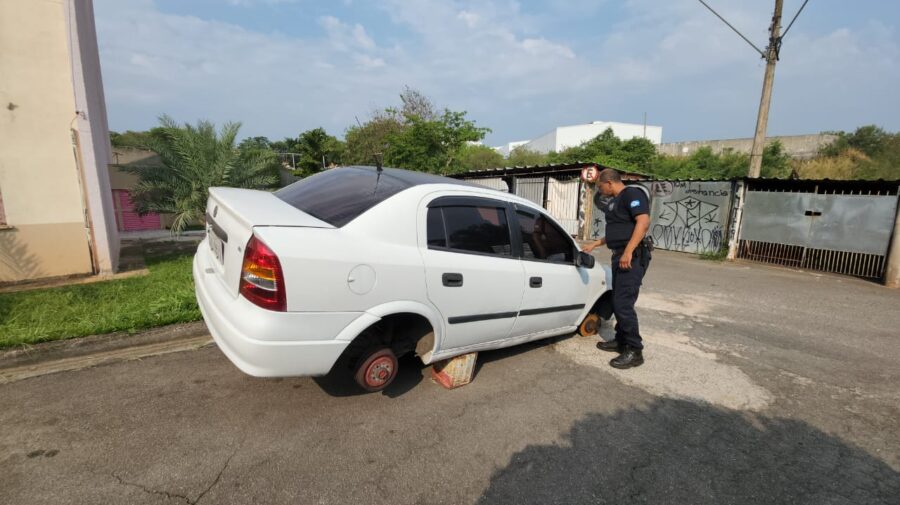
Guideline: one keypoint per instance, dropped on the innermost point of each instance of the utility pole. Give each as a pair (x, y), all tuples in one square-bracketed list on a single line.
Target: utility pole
[(762, 120), (771, 56)]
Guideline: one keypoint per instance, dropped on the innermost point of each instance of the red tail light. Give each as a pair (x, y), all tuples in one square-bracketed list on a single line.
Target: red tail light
[(262, 280)]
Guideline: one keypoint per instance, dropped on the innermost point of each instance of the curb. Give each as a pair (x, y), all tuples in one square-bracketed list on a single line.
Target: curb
[(83, 352)]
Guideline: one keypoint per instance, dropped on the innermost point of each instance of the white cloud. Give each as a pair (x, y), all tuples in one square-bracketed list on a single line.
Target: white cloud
[(674, 60), (252, 3), (470, 18)]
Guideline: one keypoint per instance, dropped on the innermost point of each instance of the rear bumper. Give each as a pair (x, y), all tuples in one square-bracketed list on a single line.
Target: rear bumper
[(280, 345)]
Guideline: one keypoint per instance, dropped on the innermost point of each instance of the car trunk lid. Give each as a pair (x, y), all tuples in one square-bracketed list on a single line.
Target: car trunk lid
[(231, 216)]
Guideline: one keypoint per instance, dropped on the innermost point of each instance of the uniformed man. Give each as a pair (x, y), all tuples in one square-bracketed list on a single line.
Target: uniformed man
[(627, 221)]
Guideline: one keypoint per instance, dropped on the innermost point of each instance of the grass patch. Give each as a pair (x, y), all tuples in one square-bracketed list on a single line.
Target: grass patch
[(719, 255), (164, 296)]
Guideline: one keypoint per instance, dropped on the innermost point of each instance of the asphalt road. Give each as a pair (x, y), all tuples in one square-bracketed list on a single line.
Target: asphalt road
[(761, 385)]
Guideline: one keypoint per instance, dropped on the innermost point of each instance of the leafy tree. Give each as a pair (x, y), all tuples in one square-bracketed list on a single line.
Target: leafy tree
[(431, 146), (133, 139), (775, 162), (255, 143), (842, 166), (317, 150), (870, 152), (636, 154), (477, 157), (369, 138), (313, 149), (871, 140), (195, 158), (524, 157), (413, 137), (417, 104)]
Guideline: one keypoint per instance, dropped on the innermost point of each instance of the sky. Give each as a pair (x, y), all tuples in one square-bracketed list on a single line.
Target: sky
[(522, 68)]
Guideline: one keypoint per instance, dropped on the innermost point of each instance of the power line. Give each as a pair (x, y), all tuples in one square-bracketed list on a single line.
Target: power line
[(771, 55), (795, 19), (758, 50)]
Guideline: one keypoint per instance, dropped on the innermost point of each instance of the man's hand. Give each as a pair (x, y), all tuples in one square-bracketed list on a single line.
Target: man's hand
[(593, 245), (625, 260)]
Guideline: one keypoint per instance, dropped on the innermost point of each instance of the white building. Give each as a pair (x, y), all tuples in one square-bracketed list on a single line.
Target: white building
[(505, 149), (563, 137)]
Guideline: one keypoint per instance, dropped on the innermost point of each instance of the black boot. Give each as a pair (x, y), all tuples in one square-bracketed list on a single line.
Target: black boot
[(629, 358), (611, 346)]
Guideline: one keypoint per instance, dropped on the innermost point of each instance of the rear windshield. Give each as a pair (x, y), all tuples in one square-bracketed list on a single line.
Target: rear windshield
[(340, 195)]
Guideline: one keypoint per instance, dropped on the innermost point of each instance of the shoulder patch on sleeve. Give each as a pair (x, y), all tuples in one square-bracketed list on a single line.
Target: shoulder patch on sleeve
[(635, 203)]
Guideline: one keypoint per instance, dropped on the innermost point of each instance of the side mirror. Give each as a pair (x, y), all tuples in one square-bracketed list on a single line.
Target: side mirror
[(584, 260)]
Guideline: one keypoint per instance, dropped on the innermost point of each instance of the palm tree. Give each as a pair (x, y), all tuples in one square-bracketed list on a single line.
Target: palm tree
[(195, 158)]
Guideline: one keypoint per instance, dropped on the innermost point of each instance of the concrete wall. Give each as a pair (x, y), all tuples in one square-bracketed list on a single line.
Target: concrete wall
[(47, 235), (120, 179), (798, 146), (93, 133), (55, 143)]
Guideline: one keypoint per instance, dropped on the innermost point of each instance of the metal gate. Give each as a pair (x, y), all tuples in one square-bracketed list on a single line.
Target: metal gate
[(845, 231), (128, 219), (531, 189), (494, 183), (563, 200)]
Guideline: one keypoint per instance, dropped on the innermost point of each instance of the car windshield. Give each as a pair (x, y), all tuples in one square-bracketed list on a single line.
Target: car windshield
[(340, 195)]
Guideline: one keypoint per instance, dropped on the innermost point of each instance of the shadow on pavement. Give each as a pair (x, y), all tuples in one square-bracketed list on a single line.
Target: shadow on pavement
[(675, 451), (340, 381), (487, 357)]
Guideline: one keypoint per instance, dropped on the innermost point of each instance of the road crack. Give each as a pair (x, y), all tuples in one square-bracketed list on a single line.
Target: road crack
[(152, 491), (172, 496)]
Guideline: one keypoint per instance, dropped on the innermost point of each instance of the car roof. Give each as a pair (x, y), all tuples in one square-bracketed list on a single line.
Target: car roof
[(408, 177), (339, 195), (413, 179)]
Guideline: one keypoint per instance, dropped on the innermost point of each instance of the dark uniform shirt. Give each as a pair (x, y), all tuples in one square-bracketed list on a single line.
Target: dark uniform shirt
[(621, 212)]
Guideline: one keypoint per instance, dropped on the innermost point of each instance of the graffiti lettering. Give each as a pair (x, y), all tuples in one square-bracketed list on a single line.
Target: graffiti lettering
[(696, 188), (685, 216), (662, 188), (689, 225), (682, 238)]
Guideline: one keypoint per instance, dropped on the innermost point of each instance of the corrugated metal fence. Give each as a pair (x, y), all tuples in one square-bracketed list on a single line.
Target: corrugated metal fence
[(846, 231), (833, 226), (563, 201)]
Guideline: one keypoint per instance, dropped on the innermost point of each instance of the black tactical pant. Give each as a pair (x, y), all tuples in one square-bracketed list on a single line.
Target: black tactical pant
[(626, 286)]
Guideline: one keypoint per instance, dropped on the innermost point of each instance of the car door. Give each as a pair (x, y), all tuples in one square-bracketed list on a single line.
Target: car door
[(472, 275), (556, 290)]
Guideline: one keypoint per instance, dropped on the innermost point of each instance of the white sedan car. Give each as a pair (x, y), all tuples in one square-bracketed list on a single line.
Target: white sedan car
[(360, 265)]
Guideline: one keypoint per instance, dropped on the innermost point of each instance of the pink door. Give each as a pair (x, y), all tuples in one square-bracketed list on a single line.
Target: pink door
[(128, 219)]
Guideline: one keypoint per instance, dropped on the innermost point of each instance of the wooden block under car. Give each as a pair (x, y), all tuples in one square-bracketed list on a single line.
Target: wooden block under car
[(455, 372)]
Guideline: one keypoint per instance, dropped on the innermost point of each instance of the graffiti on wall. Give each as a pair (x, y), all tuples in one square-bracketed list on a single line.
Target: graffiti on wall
[(685, 216), (690, 216), (688, 224)]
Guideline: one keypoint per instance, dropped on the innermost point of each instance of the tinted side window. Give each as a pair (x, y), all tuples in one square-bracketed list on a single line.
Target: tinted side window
[(543, 240), (437, 237), (476, 229)]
